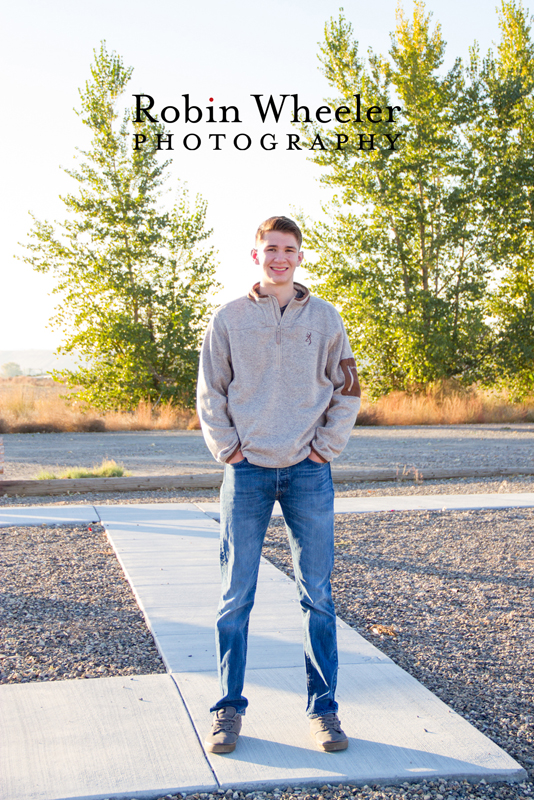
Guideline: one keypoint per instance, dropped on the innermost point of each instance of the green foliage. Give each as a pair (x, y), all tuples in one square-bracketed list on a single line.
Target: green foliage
[(503, 139), (11, 370), (132, 278), (413, 235)]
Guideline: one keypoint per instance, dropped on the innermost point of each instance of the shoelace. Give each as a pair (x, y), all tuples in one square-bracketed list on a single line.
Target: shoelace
[(329, 722), (222, 724)]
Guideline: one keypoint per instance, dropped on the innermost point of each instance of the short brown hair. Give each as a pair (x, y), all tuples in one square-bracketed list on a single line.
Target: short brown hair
[(280, 224)]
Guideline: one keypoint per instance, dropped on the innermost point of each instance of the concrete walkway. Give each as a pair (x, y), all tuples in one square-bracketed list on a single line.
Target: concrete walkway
[(141, 737), (64, 515), (425, 502)]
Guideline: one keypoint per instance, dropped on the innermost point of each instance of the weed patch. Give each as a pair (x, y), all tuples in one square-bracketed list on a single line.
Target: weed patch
[(107, 469)]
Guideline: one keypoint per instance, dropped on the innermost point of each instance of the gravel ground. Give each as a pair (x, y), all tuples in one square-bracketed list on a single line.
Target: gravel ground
[(460, 623), (448, 596), (516, 483), (178, 452), (67, 610), (424, 790)]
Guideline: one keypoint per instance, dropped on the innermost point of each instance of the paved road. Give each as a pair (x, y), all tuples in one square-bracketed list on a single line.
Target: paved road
[(177, 452)]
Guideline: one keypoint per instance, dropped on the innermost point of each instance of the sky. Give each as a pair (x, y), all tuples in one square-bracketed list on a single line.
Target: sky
[(207, 48)]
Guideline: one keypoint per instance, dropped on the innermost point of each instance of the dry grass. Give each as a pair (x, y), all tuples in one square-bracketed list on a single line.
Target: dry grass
[(107, 469), (449, 407), (31, 405)]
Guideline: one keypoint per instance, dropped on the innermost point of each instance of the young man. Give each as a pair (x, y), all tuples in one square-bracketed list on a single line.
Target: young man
[(278, 395)]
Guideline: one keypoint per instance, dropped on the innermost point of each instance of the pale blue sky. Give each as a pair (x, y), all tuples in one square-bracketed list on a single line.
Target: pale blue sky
[(225, 50)]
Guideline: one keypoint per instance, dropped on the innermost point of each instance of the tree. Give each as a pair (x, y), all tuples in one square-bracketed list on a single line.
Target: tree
[(11, 370), (503, 139), (400, 252), (133, 278)]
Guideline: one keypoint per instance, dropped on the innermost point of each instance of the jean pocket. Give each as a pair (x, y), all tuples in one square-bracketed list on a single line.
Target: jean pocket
[(316, 463)]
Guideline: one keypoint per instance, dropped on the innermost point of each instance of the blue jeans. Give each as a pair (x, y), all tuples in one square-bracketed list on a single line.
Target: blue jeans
[(306, 495)]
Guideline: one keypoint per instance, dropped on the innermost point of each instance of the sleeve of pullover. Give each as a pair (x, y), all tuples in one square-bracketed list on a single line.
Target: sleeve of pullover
[(331, 439), (214, 375)]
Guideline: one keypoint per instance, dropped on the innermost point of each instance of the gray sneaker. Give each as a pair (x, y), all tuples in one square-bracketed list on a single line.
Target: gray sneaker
[(224, 731), (327, 733)]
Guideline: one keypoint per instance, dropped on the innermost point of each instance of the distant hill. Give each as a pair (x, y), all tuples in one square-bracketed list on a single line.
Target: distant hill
[(37, 362)]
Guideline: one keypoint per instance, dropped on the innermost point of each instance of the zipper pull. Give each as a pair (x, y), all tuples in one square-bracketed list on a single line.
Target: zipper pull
[(278, 335)]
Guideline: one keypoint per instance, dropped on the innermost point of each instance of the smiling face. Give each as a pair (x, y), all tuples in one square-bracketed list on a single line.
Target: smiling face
[(278, 254)]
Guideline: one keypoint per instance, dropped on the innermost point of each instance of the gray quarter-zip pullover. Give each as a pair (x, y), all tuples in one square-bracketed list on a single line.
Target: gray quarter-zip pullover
[(277, 386)]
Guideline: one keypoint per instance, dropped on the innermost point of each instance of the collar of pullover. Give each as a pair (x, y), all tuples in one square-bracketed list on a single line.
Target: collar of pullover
[(256, 295)]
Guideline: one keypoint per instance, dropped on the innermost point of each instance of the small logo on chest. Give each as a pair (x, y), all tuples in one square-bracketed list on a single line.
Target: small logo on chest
[(308, 337)]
